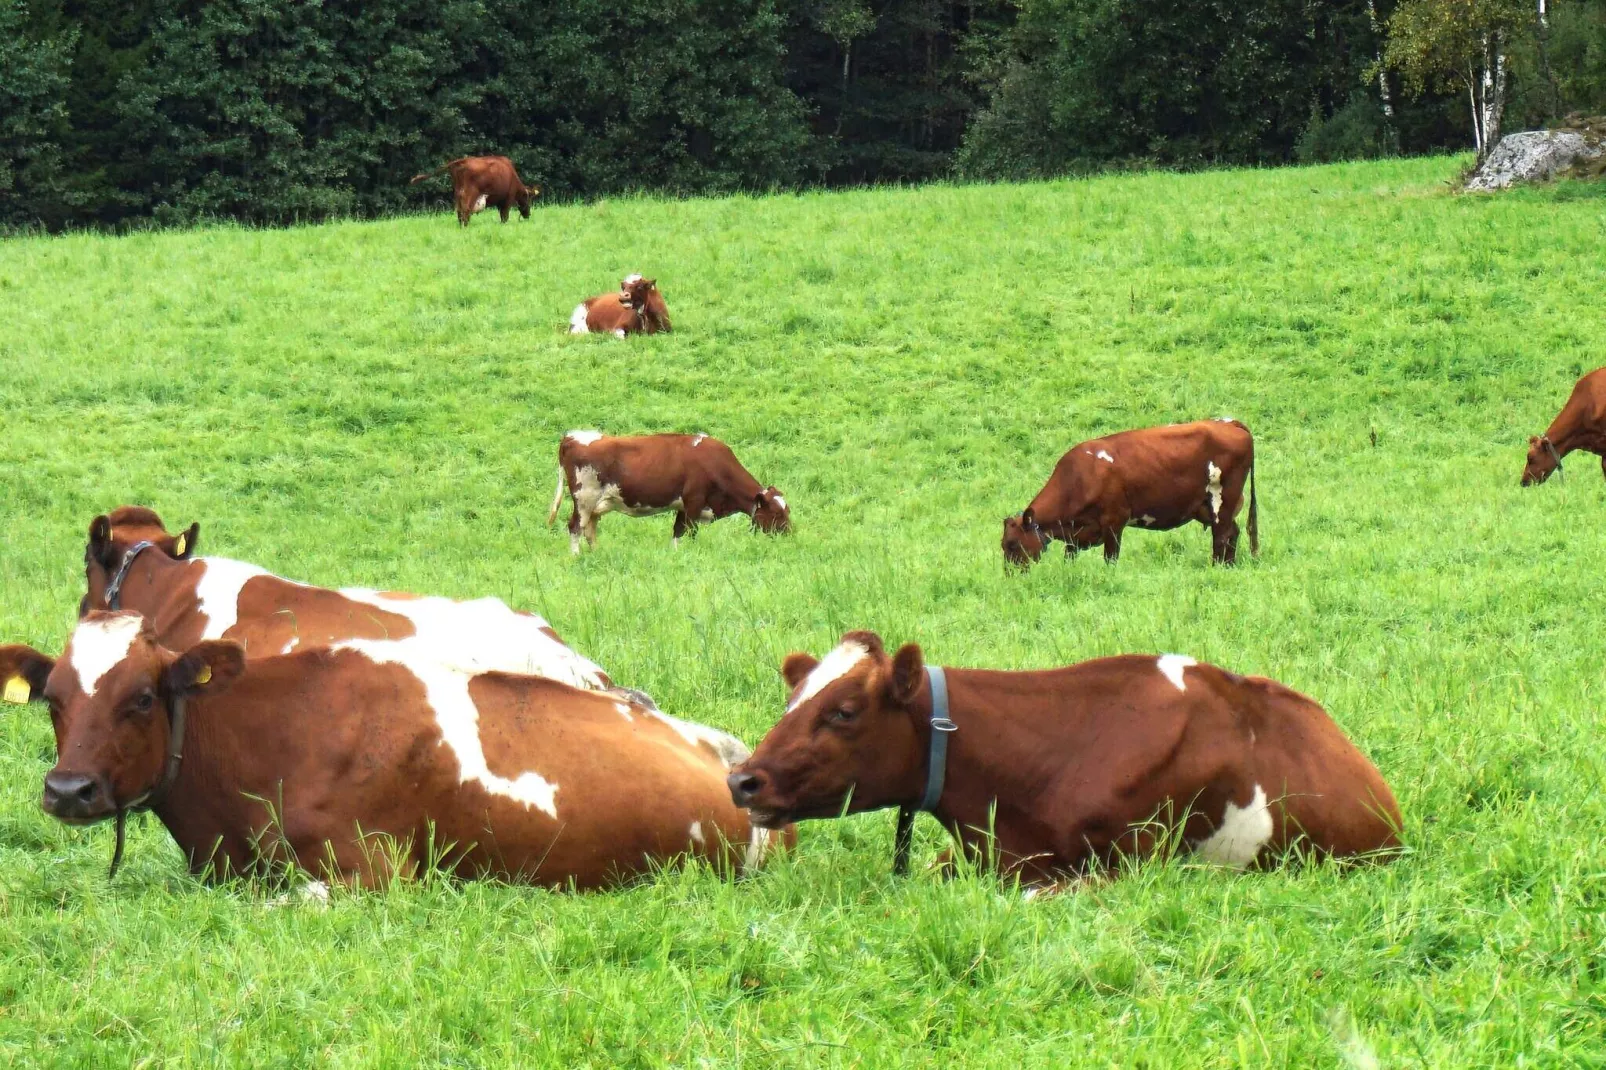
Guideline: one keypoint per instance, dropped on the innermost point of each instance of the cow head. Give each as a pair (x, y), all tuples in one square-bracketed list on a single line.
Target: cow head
[(770, 512), (1023, 540), (523, 197), (642, 296), (110, 696), (111, 537), (847, 739), (1542, 460)]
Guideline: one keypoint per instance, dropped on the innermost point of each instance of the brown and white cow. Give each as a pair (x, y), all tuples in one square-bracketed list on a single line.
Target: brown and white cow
[(480, 182), (1157, 478), (696, 476), (638, 308), (1071, 768), (369, 759), (1581, 425)]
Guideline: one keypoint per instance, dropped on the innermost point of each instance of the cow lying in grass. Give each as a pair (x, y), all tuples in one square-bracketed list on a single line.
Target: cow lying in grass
[(638, 308), (1581, 425), (695, 476), (1070, 769), (1157, 478), (480, 182), (368, 760)]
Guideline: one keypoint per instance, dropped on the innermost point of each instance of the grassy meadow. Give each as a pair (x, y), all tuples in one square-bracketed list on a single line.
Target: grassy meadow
[(379, 404)]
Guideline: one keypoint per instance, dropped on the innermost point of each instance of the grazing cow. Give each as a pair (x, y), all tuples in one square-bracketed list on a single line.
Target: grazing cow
[(1069, 768), (1157, 478), (368, 760), (1581, 425), (638, 308), (479, 182), (695, 475)]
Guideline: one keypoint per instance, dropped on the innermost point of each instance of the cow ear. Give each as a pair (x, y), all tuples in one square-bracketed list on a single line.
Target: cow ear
[(796, 668), (181, 547), (908, 669), (100, 540), (1026, 517), (761, 499), (207, 667), (1533, 440), (651, 284), (23, 672)]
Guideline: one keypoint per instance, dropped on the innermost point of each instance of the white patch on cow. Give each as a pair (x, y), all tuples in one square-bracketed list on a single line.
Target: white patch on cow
[(1172, 665), (706, 514), (619, 332), (486, 636), (1105, 457), (1242, 834), (624, 711), (697, 833), (758, 842), (780, 501), (697, 440), (628, 279), (835, 665), (584, 438), (1213, 488), (578, 318), (1145, 520), (99, 645), (446, 690), (479, 205), (314, 892), (731, 751), (574, 544), (1225, 420), (217, 596)]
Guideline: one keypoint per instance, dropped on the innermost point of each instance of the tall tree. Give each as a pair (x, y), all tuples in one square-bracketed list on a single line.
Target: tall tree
[(1460, 44)]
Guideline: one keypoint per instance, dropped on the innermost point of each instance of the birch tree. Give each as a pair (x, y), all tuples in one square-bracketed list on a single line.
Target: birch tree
[(1459, 45)]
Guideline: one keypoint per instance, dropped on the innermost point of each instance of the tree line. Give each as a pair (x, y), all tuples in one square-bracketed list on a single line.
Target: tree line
[(273, 111)]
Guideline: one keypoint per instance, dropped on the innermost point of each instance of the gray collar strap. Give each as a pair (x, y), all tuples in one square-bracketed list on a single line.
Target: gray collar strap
[(114, 590), (942, 726)]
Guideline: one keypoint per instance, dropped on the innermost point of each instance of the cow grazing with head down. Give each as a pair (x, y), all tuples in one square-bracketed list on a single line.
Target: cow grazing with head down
[(695, 476), (638, 308), (370, 759), (1581, 425), (480, 182), (1069, 769), (1156, 478)]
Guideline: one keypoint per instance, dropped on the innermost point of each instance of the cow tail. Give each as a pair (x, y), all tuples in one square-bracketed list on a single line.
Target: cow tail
[(557, 497), (1254, 512), (439, 170)]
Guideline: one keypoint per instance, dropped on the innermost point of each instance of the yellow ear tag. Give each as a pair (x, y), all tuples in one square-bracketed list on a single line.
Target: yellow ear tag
[(179, 544), (18, 691), (205, 675)]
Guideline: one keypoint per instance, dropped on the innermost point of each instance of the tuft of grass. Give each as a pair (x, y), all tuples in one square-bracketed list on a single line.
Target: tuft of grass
[(380, 404)]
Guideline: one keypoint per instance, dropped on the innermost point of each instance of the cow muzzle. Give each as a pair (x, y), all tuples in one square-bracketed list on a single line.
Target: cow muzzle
[(76, 798)]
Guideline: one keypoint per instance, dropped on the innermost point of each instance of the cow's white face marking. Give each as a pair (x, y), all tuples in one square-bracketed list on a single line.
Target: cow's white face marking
[(217, 595), (486, 636), (835, 665), (1242, 834), (780, 501), (585, 438), (446, 689), (628, 280), (731, 751), (1172, 665), (578, 320), (1105, 457), (1213, 488), (479, 205), (697, 440), (697, 833), (99, 645)]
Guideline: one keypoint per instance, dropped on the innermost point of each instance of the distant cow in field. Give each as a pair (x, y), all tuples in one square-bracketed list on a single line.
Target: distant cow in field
[(480, 182), (696, 476), (1581, 425), (638, 308), (1068, 768), (370, 760), (1157, 478)]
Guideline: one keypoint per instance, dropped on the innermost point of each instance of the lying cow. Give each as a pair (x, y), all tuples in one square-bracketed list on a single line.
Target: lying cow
[(696, 476), (1157, 478), (369, 760), (1581, 425), (1070, 768), (480, 182), (638, 308)]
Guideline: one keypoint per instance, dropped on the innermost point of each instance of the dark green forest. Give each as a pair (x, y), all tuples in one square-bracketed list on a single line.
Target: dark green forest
[(114, 112)]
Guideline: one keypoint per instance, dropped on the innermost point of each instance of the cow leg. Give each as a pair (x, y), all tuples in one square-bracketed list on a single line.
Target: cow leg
[(1112, 544), (590, 524), (683, 526), (465, 207), (1224, 542), (503, 209), (574, 529)]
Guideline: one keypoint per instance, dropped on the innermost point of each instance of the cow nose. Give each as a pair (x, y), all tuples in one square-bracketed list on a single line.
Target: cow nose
[(744, 787), (71, 794)]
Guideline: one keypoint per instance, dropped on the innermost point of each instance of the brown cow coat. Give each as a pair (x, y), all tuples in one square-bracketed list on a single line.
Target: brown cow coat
[(1069, 766), (1581, 425), (1157, 478), (696, 476), (480, 182), (638, 308)]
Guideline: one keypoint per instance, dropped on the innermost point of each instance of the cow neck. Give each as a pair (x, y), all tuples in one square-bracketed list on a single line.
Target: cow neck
[(939, 726), (148, 588), (1568, 433)]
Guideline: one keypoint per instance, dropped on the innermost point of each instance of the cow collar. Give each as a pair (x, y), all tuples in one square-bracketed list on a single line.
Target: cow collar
[(942, 726), (177, 710), (1550, 447), (114, 590)]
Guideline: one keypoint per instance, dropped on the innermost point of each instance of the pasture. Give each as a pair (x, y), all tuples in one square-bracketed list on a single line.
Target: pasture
[(380, 404)]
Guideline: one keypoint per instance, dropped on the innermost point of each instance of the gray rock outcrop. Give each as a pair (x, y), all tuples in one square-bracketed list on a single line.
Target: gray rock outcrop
[(1536, 156)]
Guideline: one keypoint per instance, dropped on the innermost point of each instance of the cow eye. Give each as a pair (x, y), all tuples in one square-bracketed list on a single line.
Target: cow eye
[(842, 715), (143, 702)]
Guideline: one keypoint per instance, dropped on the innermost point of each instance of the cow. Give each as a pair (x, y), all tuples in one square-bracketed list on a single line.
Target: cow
[(479, 182), (1581, 425), (369, 760), (1060, 773), (1157, 478), (696, 476), (638, 308)]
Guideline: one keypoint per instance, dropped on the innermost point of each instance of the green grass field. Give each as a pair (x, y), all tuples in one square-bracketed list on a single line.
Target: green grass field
[(380, 404)]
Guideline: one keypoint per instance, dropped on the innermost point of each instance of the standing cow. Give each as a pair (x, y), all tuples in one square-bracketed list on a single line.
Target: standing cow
[(480, 182), (696, 476), (1059, 771), (1157, 478), (638, 308), (1581, 425)]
